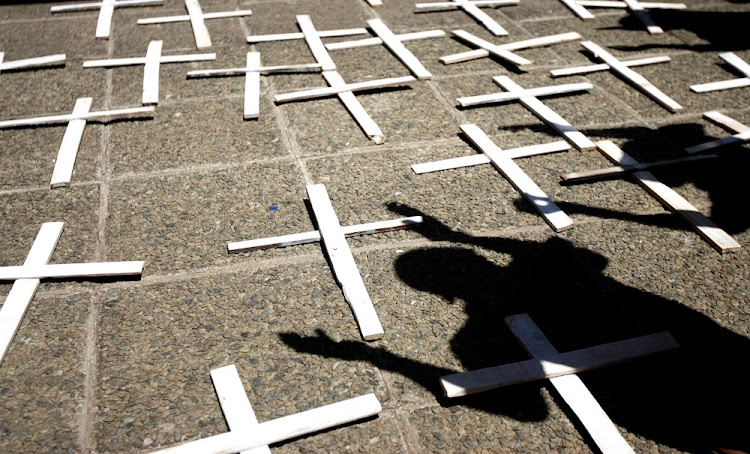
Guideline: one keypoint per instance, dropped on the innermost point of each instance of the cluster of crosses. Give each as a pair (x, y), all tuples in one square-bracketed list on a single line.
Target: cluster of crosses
[(245, 433)]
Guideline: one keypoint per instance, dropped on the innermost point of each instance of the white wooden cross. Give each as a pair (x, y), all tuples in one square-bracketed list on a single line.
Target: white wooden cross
[(705, 227), (30, 63), (471, 7), (636, 8), (504, 51), (252, 72), (76, 121), (561, 369), (502, 160), (197, 18), (337, 85), (247, 436), (737, 63), (151, 63), (27, 278), (106, 10), (622, 69), (345, 269), (528, 97), (741, 132), (394, 43)]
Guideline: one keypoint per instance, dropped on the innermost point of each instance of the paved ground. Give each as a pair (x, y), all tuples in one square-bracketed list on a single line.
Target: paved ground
[(102, 366)]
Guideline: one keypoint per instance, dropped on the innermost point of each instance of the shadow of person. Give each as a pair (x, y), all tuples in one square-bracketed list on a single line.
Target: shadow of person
[(692, 399)]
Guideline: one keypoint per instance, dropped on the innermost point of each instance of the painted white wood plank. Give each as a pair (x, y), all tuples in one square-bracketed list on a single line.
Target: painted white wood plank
[(93, 269), (313, 236), (549, 116), (622, 5), (314, 43), (151, 73), (377, 41), (601, 429), (200, 31), (334, 90), (399, 50), (186, 18), (577, 9), (352, 104), (251, 108), (284, 428), (523, 93), (36, 62), (98, 5), (312, 67), (640, 13), (497, 51), (736, 138), (476, 381), (23, 290), (288, 36), (477, 159), (725, 121), (586, 175), (483, 18), (66, 156), (550, 212), (110, 62), (542, 41), (706, 228), (633, 77), (235, 405), (104, 22), (721, 85), (738, 63), (91, 116), (344, 267), (453, 4), (605, 67)]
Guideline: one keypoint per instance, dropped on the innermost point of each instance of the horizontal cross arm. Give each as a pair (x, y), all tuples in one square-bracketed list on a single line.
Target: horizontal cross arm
[(573, 362), (313, 236), (312, 67), (48, 60), (142, 60), (91, 116), (377, 41), (518, 45), (515, 95), (186, 18), (498, 51), (721, 85), (322, 34), (736, 138), (623, 5), (458, 4), (10, 273), (586, 175), (477, 159), (329, 91), (93, 6), (605, 67), (736, 62)]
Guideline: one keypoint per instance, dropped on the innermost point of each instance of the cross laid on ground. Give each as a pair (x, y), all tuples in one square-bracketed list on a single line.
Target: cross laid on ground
[(76, 121), (247, 436), (561, 369), (735, 62), (27, 278), (151, 63), (337, 85), (31, 63), (471, 7), (106, 10), (342, 262), (705, 227), (197, 18), (502, 160), (741, 132), (504, 51), (622, 69), (636, 8), (394, 43), (528, 97), (252, 72)]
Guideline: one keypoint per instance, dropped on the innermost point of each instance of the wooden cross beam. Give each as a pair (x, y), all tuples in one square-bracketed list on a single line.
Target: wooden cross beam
[(737, 63), (741, 133), (27, 278), (560, 369), (252, 72), (375, 3), (623, 70), (503, 51), (197, 20), (31, 63), (471, 7), (151, 63), (394, 43), (247, 436), (528, 97), (345, 269), (503, 161), (76, 121), (106, 10), (587, 175), (636, 8), (705, 227)]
